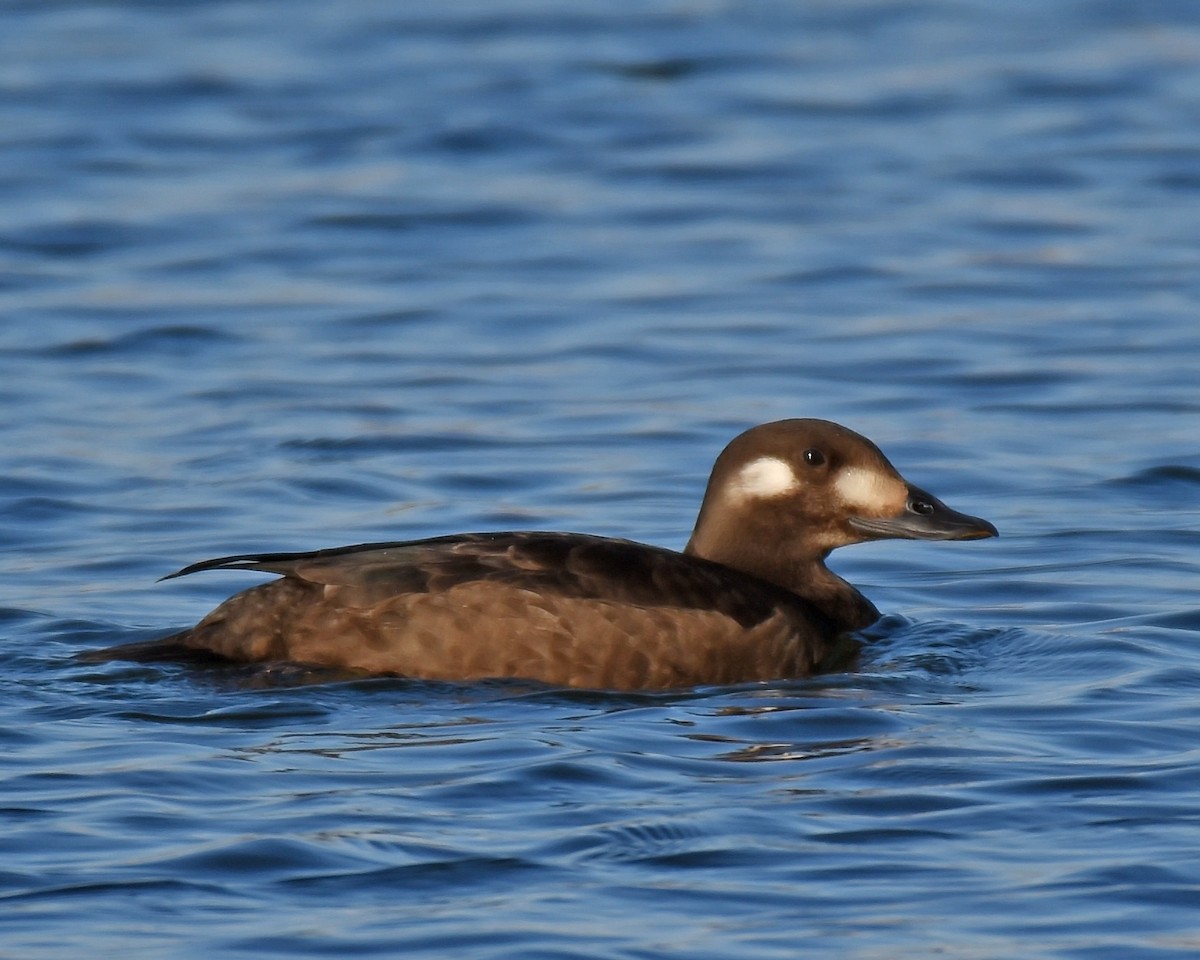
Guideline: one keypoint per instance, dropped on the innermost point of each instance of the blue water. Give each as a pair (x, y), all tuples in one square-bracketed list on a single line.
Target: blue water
[(282, 275)]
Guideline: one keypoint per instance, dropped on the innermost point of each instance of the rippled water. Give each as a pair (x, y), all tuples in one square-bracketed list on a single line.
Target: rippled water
[(288, 275)]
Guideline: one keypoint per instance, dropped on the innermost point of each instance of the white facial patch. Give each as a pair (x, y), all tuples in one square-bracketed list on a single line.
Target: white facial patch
[(869, 490), (763, 478)]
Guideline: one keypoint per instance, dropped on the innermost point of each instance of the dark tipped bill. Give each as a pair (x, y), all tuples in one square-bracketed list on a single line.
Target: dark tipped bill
[(925, 517)]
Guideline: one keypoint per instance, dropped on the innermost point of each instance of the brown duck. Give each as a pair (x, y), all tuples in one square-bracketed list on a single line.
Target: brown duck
[(750, 597)]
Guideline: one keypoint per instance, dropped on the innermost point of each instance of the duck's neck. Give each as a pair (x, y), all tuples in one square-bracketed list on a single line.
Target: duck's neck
[(838, 599), (806, 577)]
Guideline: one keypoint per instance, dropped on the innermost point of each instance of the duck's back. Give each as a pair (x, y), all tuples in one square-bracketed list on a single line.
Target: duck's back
[(566, 609)]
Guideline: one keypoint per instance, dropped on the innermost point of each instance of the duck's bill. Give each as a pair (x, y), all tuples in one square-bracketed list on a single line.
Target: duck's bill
[(925, 517)]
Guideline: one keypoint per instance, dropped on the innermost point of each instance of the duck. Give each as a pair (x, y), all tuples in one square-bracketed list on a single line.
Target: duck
[(748, 599)]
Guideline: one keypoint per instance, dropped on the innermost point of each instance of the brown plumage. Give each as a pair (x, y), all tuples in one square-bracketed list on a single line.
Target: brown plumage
[(750, 597)]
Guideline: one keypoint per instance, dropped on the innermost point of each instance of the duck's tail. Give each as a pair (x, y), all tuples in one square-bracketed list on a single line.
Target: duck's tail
[(173, 649)]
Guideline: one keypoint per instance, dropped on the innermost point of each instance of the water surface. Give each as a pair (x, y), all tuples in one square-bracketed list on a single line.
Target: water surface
[(279, 276)]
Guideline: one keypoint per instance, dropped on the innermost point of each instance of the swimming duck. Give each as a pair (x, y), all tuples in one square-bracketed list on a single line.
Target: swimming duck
[(749, 598)]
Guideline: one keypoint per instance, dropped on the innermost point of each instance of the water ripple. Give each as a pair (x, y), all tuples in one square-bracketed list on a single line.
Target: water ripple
[(400, 270)]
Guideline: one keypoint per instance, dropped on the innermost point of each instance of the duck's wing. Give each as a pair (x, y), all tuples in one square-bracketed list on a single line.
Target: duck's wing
[(565, 565), (566, 609)]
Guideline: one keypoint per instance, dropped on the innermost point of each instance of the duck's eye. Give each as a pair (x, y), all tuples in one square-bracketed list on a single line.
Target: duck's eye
[(814, 457), (923, 507)]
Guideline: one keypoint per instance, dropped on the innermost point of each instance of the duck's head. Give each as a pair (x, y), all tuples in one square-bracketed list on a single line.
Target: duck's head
[(784, 494)]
